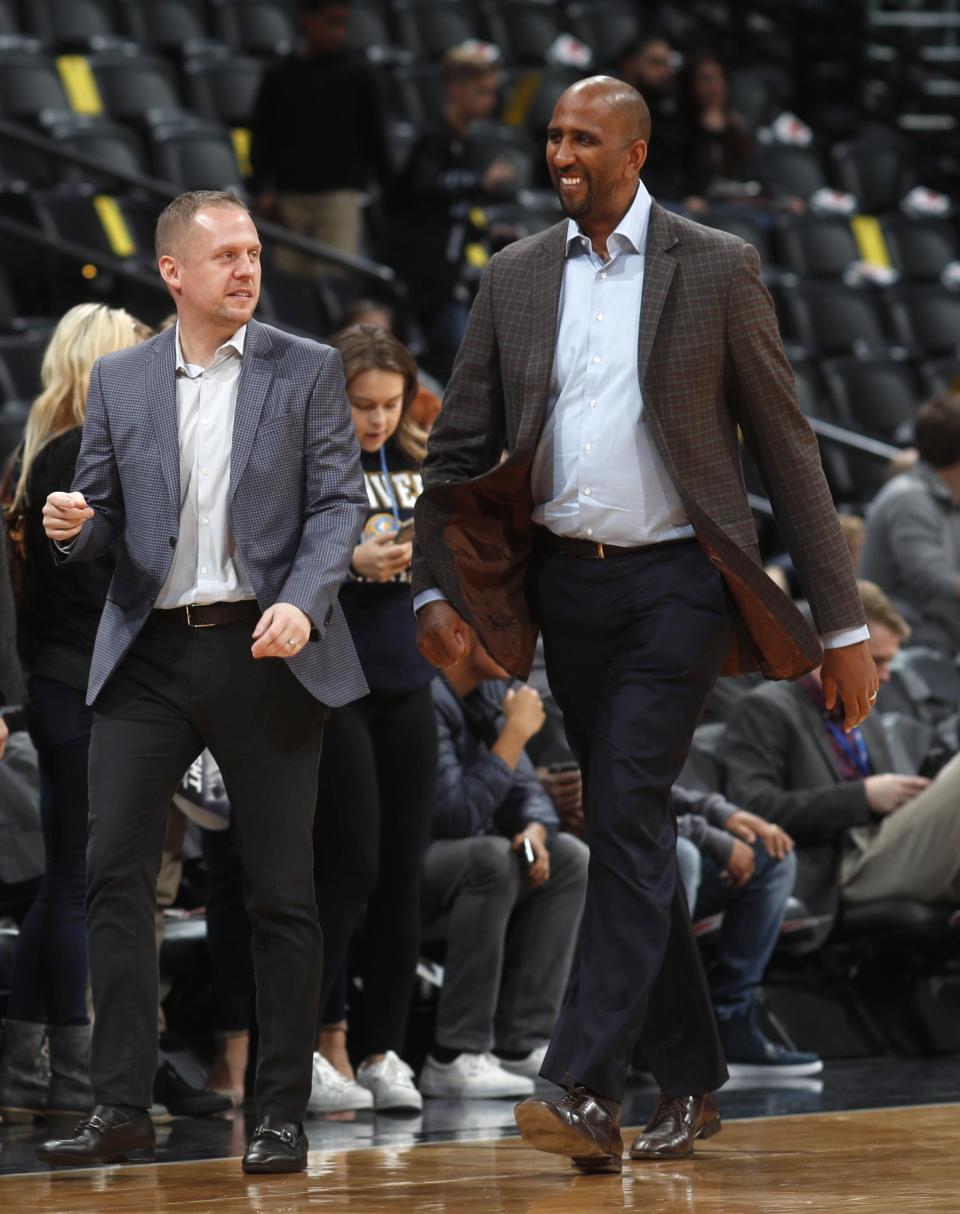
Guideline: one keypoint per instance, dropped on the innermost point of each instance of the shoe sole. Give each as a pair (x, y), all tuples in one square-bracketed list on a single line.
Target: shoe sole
[(705, 1131), (266, 1169), (141, 1155), (752, 1070), (542, 1129), (398, 1106)]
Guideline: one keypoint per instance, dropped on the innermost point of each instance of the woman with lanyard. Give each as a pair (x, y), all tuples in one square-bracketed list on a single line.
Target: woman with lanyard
[(379, 754)]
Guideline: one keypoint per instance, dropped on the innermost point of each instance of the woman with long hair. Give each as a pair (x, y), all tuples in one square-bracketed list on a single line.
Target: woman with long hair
[(380, 753), (48, 986), (717, 148)]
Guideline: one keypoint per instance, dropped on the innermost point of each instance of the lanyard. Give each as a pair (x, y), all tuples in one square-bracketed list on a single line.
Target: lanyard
[(388, 485), (853, 747)]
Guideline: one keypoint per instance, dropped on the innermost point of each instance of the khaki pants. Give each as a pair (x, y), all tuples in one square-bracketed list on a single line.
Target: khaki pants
[(335, 217), (914, 852)]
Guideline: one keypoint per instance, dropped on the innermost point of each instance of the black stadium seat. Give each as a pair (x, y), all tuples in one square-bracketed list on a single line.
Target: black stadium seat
[(928, 319), (113, 145), (606, 26), (833, 319), (9, 19), (919, 248), (369, 27), (941, 374), (877, 171), (223, 88), (30, 85), (791, 171), (174, 27), (816, 246), (196, 155), (524, 29), (428, 28), (136, 88), (257, 27), (78, 24), (877, 397)]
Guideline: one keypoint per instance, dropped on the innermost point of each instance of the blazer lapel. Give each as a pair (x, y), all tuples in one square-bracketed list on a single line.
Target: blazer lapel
[(162, 397), (658, 273), (815, 728), (256, 377), (546, 280)]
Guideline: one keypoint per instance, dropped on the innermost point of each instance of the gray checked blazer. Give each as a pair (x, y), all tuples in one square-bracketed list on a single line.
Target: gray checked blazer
[(297, 497), (712, 367)]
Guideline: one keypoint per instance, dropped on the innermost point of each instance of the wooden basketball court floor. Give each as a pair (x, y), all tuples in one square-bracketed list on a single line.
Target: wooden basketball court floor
[(903, 1160)]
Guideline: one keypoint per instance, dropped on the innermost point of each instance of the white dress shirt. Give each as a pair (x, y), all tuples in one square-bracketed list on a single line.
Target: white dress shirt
[(206, 566)]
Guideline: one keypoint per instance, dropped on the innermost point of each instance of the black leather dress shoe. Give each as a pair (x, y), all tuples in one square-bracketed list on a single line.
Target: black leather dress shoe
[(580, 1124), (276, 1146), (180, 1099), (109, 1135)]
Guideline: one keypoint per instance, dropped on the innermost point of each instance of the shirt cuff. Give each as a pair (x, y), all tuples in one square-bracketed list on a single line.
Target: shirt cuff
[(839, 637), (433, 595)]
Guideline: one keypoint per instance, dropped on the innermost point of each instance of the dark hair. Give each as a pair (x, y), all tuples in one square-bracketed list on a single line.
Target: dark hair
[(937, 429), (176, 215), (369, 348)]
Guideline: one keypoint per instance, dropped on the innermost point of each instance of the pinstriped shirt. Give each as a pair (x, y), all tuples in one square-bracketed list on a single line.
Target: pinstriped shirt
[(206, 566)]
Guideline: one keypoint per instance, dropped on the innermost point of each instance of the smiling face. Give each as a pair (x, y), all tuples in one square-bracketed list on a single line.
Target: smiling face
[(376, 403), (214, 270), (593, 155)]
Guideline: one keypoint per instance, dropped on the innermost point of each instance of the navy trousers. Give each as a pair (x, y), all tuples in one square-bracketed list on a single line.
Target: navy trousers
[(633, 645)]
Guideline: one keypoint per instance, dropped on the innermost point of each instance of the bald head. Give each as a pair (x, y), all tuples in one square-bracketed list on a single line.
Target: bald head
[(617, 102)]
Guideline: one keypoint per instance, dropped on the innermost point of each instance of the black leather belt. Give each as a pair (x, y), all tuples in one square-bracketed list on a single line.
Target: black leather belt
[(590, 550), (209, 615)]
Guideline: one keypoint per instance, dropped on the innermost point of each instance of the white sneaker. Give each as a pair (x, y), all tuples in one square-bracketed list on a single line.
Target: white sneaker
[(332, 1092), (529, 1065), (390, 1084), (471, 1077)]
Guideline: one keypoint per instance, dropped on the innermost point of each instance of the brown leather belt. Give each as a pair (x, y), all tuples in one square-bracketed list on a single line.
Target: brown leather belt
[(209, 615), (590, 550)]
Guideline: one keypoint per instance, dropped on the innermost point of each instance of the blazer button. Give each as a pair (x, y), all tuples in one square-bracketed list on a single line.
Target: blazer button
[(173, 541)]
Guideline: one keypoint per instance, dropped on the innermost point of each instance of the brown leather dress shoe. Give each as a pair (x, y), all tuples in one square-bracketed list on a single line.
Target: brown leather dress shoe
[(109, 1135), (677, 1122), (579, 1125)]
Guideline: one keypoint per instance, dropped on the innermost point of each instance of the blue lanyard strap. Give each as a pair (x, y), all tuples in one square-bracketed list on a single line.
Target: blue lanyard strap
[(388, 485), (853, 747)]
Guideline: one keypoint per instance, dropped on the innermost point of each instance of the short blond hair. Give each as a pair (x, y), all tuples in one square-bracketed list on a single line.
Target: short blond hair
[(177, 215), (878, 608), (469, 61)]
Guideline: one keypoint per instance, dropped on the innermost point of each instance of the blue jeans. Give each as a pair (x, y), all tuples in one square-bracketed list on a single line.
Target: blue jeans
[(752, 916), (48, 983)]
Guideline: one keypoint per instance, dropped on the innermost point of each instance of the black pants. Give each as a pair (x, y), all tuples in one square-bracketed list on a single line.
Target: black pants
[(176, 691), (633, 645), (377, 777)]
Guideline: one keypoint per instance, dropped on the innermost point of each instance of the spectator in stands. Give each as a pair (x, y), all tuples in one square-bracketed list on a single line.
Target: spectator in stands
[(48, 986), (442, 180), (649, 66), (717, 149), (379, 759), (735, 863), (863, 830), (504, 886), (318, 138), (912, 543)]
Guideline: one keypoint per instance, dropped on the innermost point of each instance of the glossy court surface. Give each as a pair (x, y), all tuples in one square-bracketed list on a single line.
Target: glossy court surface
[(901, 1160)]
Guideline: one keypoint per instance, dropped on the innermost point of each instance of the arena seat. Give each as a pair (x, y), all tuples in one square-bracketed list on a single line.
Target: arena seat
[(172, 27), (606, 26), (816, 246), (877, 397), (136, 88), (114, 145), (920, 249), (876, 170), (30, 85), (790, 171), (256, 28), (78, 25), (928, 319), (835, 319), (196, 155), (223, 88), (370, 28), (523, 29), (428, 28), (941, 373)]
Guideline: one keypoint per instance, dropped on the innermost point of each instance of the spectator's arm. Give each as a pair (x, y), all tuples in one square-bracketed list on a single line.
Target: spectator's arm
[(712, 806), (756, 749), (914, 531), (467, 796), (716, 844)]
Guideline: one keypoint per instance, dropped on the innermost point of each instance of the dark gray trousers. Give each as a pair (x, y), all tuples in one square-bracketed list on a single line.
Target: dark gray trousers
[(177, 691)]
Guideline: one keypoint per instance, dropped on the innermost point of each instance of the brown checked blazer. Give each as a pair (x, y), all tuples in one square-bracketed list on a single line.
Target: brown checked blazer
[(710, 361)]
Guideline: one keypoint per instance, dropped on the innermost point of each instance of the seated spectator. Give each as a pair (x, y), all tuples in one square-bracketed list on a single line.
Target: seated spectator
[(318, 138), (863, 830), (733, 862), (504, 886), (717, 149), (648, 65), (432, 225), (911, 548)]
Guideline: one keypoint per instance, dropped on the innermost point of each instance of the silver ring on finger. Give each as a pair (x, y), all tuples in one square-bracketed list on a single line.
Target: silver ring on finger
[(291, 642)]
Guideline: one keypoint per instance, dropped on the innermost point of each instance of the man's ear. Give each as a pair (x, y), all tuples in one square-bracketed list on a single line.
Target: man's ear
[(169, 271), (638, 154)]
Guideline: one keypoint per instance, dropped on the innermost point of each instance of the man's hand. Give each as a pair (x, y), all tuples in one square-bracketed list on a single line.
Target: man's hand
[(539, 872), (4, 734), (523, 712), (281, 632), (64, 515), (565, 789), (379, 559), (443, 636), (848, 674), (887, 793), (750, 828), (741, 864)]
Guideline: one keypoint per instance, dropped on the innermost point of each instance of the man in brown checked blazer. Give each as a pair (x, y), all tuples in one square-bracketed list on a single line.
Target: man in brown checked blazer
[(614, 358)]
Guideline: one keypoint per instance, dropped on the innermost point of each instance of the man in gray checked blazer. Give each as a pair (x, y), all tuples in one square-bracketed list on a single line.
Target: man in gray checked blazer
[(614, 358), (219, 459)]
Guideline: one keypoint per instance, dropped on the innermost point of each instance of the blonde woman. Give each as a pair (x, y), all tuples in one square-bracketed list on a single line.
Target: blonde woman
[(49, 976)]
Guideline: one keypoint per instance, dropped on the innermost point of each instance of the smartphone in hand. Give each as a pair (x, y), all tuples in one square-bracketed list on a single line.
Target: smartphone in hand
[(404, 534), (528, 856)]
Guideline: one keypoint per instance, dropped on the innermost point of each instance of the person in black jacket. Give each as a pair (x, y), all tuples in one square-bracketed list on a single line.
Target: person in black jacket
[(318, 138), (48, 986), (501, 883)]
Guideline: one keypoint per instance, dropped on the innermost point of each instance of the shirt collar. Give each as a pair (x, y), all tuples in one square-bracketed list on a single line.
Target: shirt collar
[(934, 481), (630, 234), (235, 343)]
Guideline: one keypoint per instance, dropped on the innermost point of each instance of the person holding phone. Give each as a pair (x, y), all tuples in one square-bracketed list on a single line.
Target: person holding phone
[(379, 761)]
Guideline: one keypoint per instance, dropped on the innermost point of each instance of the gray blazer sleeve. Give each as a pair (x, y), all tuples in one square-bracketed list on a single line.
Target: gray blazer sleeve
[(98, 479)]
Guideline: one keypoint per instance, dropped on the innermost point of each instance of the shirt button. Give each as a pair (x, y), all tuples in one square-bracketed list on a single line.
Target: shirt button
[(203, 569), (588, 447), (203, 421), (205, 521), (593, 404), (587, 491), (205, 472), (589, 531), (596, 358), (599, 316), (603, 273)]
